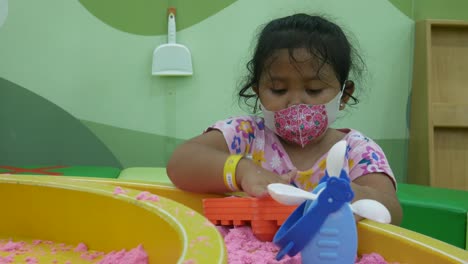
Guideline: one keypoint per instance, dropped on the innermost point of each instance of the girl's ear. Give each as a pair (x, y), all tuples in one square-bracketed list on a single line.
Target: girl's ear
[(347, 93), (255, 89)]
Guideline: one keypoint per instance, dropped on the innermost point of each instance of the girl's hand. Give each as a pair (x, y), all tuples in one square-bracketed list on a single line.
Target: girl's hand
[(254, 180)]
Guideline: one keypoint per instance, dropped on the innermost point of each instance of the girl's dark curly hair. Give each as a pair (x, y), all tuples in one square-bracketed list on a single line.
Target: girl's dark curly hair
[(324, 40)]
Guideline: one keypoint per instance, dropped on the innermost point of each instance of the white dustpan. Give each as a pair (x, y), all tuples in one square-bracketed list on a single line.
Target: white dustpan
[(172, 59)]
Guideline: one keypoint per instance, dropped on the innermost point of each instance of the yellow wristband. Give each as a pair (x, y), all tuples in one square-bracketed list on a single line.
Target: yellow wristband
[(229, 173)]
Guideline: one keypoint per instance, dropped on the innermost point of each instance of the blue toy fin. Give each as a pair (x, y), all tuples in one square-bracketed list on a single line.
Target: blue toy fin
[(284, 251)]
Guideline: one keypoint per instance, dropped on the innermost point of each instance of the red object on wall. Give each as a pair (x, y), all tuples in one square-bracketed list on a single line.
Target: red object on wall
[(43, 170)]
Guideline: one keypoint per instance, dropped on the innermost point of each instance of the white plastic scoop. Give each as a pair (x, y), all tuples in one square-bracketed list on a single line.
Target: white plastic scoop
[(288, 194), (373, 210)]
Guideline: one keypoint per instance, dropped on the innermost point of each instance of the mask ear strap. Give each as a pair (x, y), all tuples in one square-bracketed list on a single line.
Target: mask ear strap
[(343, 92), (346, 83), (344, 86), (349, 84)]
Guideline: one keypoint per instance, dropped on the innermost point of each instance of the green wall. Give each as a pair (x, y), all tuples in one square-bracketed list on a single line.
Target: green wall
[(92, 61), (89, 62)]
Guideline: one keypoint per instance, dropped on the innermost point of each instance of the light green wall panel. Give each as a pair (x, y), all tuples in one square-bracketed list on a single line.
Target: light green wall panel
[(88, 64), (80, 56), (103, 75)]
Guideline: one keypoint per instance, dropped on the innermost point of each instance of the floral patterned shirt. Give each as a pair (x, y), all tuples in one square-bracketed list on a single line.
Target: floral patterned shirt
[(248, 135)]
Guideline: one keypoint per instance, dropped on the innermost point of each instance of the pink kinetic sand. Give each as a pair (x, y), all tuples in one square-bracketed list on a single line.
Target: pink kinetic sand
[(134, 256), (31, 252), (12, 246), (118, 190), (372, 258), (147, 196), (243, 247), (81, 248)]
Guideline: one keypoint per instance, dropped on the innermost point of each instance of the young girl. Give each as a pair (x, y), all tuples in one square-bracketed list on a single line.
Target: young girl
[(299, 80)]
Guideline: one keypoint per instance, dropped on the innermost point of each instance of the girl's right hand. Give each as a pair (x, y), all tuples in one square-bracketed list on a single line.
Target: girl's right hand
[(254, 179)]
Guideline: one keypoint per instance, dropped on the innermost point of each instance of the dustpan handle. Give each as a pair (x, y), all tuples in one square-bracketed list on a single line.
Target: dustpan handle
[(171, 25)]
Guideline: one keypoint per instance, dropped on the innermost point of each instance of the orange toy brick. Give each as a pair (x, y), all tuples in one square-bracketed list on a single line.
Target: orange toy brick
[(264, 215)]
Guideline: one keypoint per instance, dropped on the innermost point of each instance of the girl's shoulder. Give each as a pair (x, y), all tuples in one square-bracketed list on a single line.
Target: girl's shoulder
[(353, 135), (249, 118), (355, 138), (244, 122)]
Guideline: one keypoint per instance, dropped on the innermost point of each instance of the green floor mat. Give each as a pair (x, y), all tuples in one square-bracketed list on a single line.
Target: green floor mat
[(149, 174)]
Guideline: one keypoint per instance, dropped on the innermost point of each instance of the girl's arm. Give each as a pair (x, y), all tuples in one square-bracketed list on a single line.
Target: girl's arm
[(378, 186), (197, 166)]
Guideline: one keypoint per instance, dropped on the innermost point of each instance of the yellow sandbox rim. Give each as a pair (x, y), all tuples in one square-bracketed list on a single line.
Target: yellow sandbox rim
[(394, 243), (397, 244), (61, 210)]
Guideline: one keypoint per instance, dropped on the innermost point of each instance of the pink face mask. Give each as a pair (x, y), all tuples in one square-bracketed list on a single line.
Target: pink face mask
[(302, 123)]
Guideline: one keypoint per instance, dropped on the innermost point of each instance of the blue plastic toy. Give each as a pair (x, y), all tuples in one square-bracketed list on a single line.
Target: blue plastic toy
[(323, 230)]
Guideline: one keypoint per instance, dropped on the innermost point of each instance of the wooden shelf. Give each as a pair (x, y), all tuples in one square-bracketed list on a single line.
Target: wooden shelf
[(450, 115), (438, 145)]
